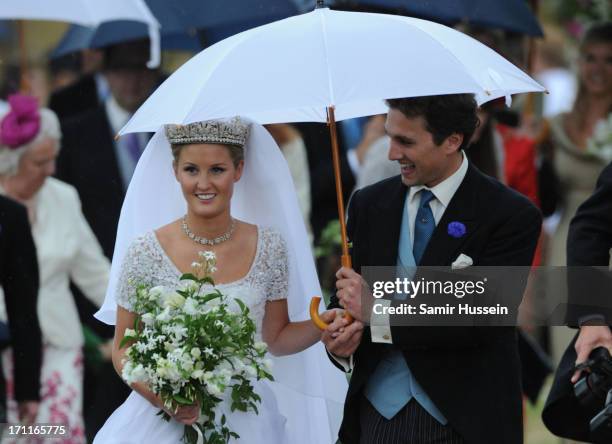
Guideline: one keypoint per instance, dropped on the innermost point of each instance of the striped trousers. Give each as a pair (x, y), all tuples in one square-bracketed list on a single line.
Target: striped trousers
[(412, 425)]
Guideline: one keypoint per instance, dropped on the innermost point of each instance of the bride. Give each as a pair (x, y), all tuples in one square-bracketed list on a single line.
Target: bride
[(238, 202)]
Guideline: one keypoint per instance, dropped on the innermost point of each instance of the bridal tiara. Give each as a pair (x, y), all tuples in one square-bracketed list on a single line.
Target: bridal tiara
[(226, 132)]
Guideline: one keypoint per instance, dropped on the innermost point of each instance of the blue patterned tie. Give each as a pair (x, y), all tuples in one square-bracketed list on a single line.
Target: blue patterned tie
[(424, 225)]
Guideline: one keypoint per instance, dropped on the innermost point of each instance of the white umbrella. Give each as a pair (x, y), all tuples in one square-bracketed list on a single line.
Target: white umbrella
[(87, 13), (328, 65), (293, 69)]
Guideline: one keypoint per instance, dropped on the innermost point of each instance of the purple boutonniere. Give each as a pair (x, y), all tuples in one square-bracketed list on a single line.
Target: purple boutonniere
[(456, 229)]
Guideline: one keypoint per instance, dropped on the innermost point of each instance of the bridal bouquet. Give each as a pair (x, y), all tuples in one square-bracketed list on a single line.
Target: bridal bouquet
[(600, 143), (190, 346)]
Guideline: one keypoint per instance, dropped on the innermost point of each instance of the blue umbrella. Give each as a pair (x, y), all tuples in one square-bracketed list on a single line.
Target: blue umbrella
[(79, 37), (181, 22), (203, 14), (511, 15)]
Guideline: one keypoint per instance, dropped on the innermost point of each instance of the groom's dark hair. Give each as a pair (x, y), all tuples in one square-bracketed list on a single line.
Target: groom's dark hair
[(443, 115)]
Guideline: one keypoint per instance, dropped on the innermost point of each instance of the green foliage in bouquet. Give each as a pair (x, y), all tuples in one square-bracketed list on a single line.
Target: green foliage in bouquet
[(195, 345)]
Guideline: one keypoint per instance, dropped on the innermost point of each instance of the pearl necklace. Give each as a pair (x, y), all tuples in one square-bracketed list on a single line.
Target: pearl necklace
[(205, 241)]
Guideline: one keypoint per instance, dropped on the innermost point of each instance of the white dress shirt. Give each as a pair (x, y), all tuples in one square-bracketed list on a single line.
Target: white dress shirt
[(66, 249)]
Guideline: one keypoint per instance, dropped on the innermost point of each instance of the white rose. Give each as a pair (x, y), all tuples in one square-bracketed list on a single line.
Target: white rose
[(251, 371), (129, 332), (174, 300), (268, 365), (190, 307), (161, 372), (148, 318), (126, 371), (226, 375), (139, 374), (190, 286), (164, 315), (156, 292), (197, 374), (260, 347), (214, 389), (195, 352), (187, 365), (238, 365), (172, 372)]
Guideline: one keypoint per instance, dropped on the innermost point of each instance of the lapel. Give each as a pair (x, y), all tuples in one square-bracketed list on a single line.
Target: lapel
[(387, 215), (444, 248)]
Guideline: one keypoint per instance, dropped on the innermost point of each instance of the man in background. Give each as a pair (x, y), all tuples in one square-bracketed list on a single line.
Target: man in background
[(100, 168), (19, 283)]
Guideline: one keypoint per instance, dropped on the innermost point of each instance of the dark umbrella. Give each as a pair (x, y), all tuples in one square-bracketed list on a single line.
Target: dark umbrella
[(510, 15), (79, 37), (185, 24)]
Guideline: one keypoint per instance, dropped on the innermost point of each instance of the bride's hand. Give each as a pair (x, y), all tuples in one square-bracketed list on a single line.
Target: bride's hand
[(328, 316), (185, 414)]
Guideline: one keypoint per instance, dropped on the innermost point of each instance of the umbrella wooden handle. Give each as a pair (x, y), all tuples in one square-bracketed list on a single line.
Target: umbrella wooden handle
[(316, 319), (346, 262)]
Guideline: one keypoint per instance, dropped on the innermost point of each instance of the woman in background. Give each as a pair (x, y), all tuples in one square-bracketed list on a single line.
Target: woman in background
[(566, 147), (66, 249)]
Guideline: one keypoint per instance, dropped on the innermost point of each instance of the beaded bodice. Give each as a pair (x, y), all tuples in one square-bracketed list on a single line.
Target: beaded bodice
[(147, 263)]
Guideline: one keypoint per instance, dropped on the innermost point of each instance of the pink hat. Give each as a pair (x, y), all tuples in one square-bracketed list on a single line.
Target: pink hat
[(22, 122)]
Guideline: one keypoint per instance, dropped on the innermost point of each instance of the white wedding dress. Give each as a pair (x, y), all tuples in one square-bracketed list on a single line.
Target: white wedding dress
[(308, 390), (136, 420)]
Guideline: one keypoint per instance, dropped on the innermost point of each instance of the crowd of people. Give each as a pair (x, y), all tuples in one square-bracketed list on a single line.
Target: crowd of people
[(64, 177)]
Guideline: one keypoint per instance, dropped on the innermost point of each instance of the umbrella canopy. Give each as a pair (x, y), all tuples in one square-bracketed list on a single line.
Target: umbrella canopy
[(79, 37), (294, 69), (203, 14), (86, 12), (511, 15), (185, 24)]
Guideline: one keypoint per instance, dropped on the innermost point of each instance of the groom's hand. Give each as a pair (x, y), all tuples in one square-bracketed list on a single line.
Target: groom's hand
[(342, 339), (352, 290)]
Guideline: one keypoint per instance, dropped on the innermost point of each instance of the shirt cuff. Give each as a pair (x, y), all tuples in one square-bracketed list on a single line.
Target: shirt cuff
[(345, 363), (592, 319), (353, 161), (379, 322)]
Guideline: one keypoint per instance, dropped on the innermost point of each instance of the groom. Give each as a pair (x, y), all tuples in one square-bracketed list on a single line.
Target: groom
[(423, 385)]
